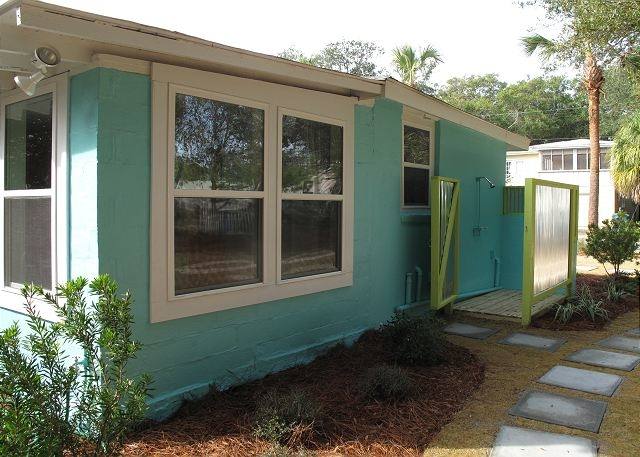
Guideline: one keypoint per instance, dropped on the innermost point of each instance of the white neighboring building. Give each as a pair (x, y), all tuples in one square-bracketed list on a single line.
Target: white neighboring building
[(568, 162)]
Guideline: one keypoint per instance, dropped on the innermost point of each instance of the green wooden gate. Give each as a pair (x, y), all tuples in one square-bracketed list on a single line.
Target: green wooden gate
[(445, 240), (550, 241)]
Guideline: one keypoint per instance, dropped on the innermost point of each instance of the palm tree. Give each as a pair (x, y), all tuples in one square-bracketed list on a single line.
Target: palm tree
[(625, 158), (413, 63), (592, 81)]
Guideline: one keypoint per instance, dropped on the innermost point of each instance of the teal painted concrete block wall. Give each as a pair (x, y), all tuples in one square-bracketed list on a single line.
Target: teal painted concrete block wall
[(184, 356), (466, 154)]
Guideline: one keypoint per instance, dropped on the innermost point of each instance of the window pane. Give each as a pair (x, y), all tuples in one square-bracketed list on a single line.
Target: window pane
[(604, 160), (311, 237), (546, 162), (416, 145), (568, 161), (311, 157), (582, 161), (217, 243), (556, 161), (28, 144), (218, 145), (27, 244), (416, 186)]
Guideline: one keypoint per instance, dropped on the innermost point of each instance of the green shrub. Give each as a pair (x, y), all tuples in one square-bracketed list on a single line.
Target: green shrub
[(615, 242), (615, 291), (386, 383), (52, 405), (582, 304), (279, 450), (279, 416), (566, 310), (415, 340)]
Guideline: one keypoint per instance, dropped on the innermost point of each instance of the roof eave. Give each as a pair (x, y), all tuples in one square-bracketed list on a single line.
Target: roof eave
[(409, 96)]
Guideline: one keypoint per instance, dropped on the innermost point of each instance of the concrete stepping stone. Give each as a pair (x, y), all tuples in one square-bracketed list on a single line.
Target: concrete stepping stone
[(624, 343), (523, 442), (606, 359), (634, 331), (561, 410), (470, 331), (589, 381), (532, 341)]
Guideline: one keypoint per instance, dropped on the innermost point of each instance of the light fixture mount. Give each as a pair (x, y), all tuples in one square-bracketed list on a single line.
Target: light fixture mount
[(43, 58)]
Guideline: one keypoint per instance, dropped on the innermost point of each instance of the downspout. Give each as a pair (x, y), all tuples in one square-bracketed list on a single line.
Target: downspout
[(496, 272)]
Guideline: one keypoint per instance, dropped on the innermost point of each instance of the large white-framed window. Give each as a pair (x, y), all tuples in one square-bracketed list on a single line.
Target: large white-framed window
[(252, 192), (33, 188), (418, 159)]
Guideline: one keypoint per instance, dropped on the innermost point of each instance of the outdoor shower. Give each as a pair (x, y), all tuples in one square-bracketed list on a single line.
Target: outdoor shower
[(477, 229)]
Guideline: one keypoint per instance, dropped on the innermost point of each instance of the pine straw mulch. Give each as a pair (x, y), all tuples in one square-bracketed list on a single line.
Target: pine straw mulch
[(598, 286), (221, 423)]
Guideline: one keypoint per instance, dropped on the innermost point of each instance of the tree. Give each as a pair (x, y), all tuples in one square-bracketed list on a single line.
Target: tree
[(349, 56), (620, 99), (415, 66), (541, 108), (594, 34), (625, 159)]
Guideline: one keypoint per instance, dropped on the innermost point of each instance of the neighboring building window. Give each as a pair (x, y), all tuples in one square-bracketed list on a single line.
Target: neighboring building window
[(416, 166), (567, 160), (604, 160), (582, 162), (260, 193), (32, 191)]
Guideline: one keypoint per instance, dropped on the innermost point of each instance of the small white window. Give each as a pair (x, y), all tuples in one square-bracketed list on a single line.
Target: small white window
[(417, 161), (33, 191), (252, 192)]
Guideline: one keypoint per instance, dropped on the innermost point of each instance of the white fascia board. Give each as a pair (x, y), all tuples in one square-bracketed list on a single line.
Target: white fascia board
[(100, 29), (408, 96)]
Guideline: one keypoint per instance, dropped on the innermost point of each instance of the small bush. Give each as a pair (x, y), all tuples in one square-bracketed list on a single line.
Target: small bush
[(615, 242), (278, 450), (52, 405), (615, 291), (281, 416), (566, 311), (582, 304), (415, 340), (386, 383)]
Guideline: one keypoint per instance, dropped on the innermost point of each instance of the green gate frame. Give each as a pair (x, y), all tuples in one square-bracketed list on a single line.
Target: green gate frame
[(439, 262), (528, 296)]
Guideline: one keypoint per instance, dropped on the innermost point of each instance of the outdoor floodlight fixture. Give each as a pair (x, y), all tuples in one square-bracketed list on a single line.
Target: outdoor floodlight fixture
[(43, 59)]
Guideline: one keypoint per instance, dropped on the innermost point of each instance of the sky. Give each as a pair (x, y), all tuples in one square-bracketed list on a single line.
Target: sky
[(473, 36)]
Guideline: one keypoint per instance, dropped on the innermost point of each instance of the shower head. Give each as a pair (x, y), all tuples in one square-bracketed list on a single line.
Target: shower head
[(491, 184)]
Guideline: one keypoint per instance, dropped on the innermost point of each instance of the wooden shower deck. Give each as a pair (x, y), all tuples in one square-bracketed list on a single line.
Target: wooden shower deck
[(503, 304)]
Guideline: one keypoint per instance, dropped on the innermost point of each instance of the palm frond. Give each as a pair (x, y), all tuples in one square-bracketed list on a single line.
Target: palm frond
[(430, 53), (537, 42)]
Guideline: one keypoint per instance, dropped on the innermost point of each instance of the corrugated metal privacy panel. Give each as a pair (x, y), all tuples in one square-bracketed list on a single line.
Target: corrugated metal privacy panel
[(551, 254), (513, 200)]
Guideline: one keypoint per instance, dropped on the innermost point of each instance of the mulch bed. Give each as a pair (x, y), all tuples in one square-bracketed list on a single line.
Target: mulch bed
[(221, 424), (597, 284)]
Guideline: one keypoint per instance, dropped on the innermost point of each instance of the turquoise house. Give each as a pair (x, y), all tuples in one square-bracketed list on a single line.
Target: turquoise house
[(259, 209)]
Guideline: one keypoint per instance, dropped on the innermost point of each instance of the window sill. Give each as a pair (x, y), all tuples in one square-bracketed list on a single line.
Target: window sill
[(203, 303), (14, 301)]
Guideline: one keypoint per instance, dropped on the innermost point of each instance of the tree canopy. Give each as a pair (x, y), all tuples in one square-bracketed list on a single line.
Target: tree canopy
[(349, 56)]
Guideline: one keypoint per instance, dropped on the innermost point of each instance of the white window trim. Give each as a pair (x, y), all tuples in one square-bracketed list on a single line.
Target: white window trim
[(574, 153), (418, 121), (10, 297), (276, 100)]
